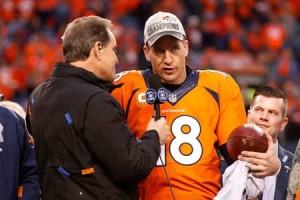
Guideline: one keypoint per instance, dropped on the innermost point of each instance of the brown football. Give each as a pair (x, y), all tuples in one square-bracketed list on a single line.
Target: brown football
[(247, 137)]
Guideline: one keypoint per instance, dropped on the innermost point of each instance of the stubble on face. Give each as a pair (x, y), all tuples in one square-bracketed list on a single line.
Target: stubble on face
[(168, 59)]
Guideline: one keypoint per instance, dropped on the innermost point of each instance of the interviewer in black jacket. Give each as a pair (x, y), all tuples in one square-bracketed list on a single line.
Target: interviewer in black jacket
[(85, 149)]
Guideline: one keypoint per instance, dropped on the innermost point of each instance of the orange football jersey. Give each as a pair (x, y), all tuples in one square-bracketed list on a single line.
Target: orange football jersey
[(201, 113)]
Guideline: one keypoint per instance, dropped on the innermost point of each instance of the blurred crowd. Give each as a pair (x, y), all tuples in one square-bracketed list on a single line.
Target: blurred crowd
[(254, 40)]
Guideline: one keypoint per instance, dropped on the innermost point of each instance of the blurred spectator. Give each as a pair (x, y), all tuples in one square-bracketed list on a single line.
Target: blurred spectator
[(18, 169), (14, 107), (18, 109), (293, 192), (274, 35)]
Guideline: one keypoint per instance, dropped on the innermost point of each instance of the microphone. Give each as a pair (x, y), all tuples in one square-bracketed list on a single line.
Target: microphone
[(156, 94)]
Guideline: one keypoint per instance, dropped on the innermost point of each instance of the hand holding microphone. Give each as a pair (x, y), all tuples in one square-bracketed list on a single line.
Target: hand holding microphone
[(162, 129)]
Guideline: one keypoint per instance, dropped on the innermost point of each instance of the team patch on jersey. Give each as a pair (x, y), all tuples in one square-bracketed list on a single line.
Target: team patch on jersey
[(141, 99)]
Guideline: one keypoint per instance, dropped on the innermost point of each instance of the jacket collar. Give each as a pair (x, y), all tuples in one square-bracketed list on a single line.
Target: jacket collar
[(64, 70)]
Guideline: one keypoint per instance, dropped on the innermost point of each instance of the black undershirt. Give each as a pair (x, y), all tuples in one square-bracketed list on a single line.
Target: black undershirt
[(173, 87)]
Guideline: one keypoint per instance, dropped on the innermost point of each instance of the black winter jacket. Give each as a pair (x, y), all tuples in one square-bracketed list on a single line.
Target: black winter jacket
[(85, 149)]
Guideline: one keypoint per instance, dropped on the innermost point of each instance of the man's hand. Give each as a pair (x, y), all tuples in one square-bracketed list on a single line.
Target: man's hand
[(262, 164), (162, 129)]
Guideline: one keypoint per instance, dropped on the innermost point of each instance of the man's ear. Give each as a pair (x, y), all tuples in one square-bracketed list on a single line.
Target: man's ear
[(284, 123), (146, 52), (186, 45), (98, 46), (97, 49)]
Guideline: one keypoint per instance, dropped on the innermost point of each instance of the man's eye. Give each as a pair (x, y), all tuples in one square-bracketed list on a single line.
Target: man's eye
[(158, 51), (274, 113)]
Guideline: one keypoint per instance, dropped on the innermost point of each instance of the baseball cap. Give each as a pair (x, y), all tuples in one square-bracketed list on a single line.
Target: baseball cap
[(161, 24)]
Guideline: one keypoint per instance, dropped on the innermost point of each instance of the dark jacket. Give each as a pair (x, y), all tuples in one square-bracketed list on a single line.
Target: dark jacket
[(286, 159), (85, 149), (18, 168), (282, 179)]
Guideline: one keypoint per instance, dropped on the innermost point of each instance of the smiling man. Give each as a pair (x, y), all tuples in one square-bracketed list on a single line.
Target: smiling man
[(268, 110)]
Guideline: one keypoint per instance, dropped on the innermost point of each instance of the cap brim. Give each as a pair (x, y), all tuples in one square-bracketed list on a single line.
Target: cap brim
[(155, 37)]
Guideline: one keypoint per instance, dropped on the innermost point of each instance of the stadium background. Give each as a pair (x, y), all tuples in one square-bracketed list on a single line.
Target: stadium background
[(256, 41)]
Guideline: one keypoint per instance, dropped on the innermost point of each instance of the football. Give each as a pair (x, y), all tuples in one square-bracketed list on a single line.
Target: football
[(247, 137)]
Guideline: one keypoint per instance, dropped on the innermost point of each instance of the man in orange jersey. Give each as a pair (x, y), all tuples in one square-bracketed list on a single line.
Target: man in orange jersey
[(202, 109)]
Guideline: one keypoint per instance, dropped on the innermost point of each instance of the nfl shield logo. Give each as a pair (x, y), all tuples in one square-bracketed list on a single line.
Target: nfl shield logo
[(172, 98)]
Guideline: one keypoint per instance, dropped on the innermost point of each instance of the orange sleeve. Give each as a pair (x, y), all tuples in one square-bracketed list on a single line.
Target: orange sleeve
[(298, 194), (122, 94), (231, 104), (232, 109)]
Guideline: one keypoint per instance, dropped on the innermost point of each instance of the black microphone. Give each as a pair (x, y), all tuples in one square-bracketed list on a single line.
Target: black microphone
[(156, 94)]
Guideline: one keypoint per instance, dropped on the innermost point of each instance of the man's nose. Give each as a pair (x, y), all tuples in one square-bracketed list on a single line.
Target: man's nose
[(168, 57), (264, 116)]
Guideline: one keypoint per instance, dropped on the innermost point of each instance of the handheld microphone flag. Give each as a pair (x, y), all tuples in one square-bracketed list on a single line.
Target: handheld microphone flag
[(156, 94), (162, 96), (151, 96)]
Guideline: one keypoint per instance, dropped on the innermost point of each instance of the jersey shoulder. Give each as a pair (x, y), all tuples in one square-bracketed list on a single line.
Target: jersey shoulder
[(129, 75), (215, 74), (215, 77), (218, 81)]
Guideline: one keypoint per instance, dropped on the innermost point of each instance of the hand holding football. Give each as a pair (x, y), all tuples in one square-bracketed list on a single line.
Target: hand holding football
[(247, 137)]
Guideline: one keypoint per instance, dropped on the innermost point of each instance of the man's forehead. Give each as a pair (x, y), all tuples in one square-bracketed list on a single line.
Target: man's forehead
[(271, 103)]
